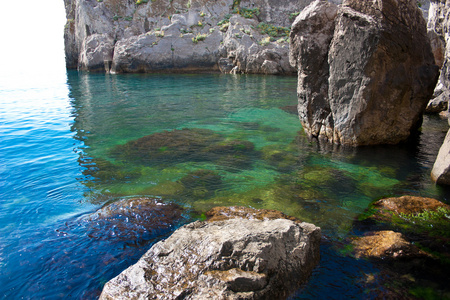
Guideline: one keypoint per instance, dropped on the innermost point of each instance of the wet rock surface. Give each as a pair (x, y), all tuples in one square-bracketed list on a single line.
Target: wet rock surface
[(234, 258), (133, 218), (407, 237), (385, 244), (376, 70)]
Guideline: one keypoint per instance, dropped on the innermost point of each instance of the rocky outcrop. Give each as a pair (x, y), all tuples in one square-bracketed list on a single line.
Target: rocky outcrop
[(378, 66), (233, 258), (176, 35), (441, 168)]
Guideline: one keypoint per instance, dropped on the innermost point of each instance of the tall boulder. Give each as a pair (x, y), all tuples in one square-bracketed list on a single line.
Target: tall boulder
[(255, 257), (379, 67), (441, 168)]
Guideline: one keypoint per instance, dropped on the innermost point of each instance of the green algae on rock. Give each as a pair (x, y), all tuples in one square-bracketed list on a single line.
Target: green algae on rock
[(181, 145)]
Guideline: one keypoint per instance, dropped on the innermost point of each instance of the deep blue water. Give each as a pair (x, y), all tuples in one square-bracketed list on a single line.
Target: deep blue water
[(58, 133)]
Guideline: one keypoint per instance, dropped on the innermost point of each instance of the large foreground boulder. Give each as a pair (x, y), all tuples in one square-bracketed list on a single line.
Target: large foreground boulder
[(377, 70), (238, 258)]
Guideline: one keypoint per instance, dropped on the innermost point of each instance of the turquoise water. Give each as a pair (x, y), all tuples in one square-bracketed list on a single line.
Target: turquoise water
[(70, 144)]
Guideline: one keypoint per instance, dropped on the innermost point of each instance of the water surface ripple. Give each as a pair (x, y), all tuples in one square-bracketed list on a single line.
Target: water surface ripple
[(73, 143)]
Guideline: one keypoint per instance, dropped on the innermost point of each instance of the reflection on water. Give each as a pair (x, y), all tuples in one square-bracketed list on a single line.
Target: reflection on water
[(195, 142)]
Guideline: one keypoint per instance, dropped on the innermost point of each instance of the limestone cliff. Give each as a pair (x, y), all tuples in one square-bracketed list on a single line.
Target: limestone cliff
[(248, 36)]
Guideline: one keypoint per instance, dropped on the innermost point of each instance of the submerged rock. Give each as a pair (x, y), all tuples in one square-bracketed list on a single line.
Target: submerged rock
[(131, 219), (385, 244), (229, 259), (193, 144), (374, 66)]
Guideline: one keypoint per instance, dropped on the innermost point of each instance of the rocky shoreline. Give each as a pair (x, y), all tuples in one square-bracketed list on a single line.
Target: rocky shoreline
[(366, 72), (179, 36)]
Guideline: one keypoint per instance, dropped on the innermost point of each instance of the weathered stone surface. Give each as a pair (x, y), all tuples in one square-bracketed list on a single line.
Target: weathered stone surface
[(385, 244), (437, 47), (408, 205), (381, 72), (96, 53), (441, 168), (222, 213), (311, 36), (438, 22), (229, 259), (172, 35), (438, 104)]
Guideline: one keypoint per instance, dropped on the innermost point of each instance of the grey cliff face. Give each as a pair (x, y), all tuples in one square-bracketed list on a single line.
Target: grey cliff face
[(438, 23), (230, 259), (378, 66), (177, 35)]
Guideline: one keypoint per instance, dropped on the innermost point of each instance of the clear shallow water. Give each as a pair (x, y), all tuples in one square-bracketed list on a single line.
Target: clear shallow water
[(59, 162)]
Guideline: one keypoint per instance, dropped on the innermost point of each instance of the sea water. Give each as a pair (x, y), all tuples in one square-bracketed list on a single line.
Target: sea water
[(59, 136)]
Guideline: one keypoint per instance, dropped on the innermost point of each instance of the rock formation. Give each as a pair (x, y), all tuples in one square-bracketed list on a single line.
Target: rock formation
[(441, 168), (177, 35), (438, 22), (232, 258), (366, 70)]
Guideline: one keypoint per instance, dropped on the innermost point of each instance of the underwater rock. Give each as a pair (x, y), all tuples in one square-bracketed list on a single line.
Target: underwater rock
[(104, 171), (201, 183), (377, 70), (385, 244), (183, 145), (231, 259), (133, 218)]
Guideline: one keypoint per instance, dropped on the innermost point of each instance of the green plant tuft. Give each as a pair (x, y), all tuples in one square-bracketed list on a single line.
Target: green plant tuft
[(248, 13), (272, 30), (294, 15), (198, 38)]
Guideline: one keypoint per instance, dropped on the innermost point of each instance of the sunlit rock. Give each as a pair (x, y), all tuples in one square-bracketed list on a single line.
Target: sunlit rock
[(175, 35), (231, 259), (441, 168), (377, 70), (426, 221), (385, 244)]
